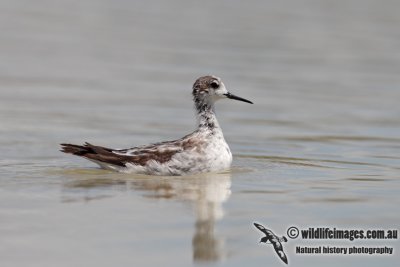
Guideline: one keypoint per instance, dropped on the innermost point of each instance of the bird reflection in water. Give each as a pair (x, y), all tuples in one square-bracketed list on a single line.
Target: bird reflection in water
[(205, 192)]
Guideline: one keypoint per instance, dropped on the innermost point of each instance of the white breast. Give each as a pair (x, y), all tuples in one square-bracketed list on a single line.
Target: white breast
[(219, 155)]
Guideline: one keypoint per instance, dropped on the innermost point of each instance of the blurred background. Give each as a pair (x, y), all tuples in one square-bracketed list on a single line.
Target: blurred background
[(319, 147)]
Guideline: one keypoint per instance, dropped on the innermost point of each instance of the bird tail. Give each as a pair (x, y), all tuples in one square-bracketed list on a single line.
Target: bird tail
[(76, 149), (100, 155)]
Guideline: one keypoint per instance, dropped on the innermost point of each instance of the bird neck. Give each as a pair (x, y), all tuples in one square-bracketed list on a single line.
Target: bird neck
[(206, 115)]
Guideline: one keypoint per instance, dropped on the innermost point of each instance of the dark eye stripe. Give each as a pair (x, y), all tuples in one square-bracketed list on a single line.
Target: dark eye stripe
[(214, 85)]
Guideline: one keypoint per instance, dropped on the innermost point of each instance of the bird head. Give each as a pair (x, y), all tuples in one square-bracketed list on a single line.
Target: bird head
[(208, 89)]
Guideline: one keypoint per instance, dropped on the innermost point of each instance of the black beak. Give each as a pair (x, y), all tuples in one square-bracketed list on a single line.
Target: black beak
[(231, 96)]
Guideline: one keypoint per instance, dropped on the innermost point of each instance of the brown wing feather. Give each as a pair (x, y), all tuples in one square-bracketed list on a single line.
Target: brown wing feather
[(107, 155)]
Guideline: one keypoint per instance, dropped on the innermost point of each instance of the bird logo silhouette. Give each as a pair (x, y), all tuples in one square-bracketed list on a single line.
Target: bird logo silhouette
[(274, 240)]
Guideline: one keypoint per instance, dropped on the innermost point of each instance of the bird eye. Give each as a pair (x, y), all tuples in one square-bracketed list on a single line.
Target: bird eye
[(214, 85)]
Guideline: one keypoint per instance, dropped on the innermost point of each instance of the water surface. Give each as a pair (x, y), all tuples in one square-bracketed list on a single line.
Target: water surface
[(320, 147)]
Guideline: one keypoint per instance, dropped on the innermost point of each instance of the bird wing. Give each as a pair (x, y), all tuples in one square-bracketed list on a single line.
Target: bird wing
[(160, 152), (266, 231), (279, 250)]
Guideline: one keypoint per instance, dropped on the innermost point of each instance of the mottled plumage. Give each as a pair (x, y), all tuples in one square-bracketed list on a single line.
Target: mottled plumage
[(204, 150)]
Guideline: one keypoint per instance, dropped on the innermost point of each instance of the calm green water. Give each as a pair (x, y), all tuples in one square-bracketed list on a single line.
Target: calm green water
[(320, 147)]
